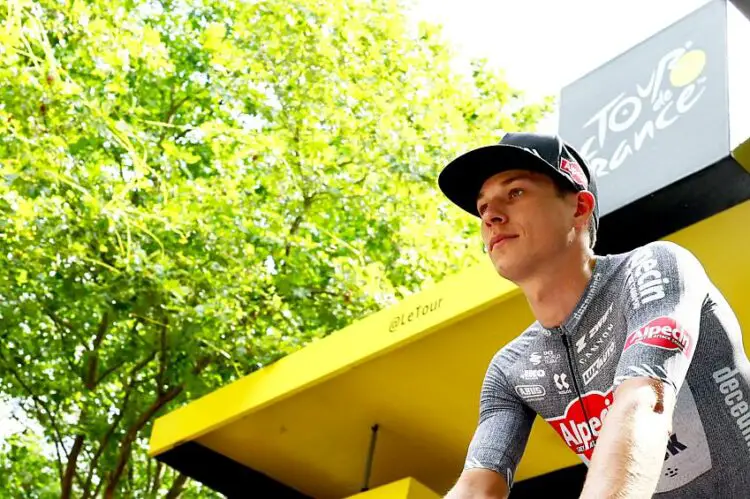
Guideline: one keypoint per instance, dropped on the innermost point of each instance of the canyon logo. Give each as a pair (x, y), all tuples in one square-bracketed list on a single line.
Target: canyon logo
[(630, 119)]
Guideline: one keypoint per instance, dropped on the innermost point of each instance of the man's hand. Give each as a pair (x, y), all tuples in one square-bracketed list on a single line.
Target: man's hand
[(629, 453), (479, 483)]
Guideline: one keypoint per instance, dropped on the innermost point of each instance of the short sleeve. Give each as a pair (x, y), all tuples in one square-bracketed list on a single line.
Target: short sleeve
[(665, 291), (504, 427)]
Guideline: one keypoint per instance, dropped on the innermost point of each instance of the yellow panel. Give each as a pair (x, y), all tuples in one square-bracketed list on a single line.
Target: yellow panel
[(395, 490), (455, 298), (419, 381), (742, 154), (408, 488)]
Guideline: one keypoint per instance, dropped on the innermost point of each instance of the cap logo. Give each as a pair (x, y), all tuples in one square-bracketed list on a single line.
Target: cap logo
[(532, 151), (574, 170)]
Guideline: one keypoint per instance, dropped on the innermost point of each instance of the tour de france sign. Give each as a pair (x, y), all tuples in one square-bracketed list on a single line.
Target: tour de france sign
[(656, 113)]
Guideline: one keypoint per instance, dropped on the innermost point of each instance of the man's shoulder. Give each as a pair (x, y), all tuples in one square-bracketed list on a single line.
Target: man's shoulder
[(656, 249), (664, 256), (518, 349)]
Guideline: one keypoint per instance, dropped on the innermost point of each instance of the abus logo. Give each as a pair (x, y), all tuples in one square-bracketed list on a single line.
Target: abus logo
[(577, 432), (530, 391), (679, 70), (662, 332)]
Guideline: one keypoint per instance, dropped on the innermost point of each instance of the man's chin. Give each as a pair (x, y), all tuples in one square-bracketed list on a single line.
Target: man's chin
[(507, 268)]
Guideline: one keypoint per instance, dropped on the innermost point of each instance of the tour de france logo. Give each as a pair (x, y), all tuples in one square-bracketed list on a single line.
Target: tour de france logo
[(652, 104)]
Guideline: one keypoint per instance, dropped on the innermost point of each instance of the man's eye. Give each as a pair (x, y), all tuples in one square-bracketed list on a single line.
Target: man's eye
[(515, 192), (482, 208)]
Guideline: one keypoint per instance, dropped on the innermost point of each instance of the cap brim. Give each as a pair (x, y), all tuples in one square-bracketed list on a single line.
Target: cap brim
[(462, 179)]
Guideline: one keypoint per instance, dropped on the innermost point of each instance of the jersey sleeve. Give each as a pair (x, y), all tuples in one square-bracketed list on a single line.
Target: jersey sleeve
[(665, 290), (504, 427)]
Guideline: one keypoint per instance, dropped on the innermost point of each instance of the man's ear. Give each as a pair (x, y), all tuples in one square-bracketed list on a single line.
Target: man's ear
[(584, 206)]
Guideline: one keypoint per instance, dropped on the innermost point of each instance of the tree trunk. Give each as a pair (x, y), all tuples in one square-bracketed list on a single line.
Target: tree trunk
[(131, 435), (70, 468)]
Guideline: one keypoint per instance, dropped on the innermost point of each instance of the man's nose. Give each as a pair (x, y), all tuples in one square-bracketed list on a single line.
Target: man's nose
[(494, 216)]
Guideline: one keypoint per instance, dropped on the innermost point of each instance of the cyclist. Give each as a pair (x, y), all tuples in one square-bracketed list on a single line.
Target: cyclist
[(635, 359)]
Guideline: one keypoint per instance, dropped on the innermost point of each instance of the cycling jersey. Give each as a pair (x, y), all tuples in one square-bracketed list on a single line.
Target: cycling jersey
[(650, 312)]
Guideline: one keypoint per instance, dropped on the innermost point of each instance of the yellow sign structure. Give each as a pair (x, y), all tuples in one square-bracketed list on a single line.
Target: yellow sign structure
[(408, 488), (415, 370)]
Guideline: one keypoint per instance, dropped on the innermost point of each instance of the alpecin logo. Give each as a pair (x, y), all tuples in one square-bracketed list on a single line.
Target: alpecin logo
[(577, 432), (676, 84), (662, 332)]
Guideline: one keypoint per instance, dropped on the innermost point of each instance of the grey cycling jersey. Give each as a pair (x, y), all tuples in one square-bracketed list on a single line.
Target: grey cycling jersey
[(650, 312)]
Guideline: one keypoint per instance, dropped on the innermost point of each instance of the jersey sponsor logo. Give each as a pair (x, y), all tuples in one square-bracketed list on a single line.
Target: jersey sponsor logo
[(581, 342), (530, 374), (580, 429), (644, 280), (595, 338), (550, 357), (561, 382), (530, 391), (662, 332), (596, 367), (735, 399), (674, 447), (687, 454), (535, 358)]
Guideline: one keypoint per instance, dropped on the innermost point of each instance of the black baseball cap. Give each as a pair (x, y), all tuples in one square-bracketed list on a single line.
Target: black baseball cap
[(463, 177)]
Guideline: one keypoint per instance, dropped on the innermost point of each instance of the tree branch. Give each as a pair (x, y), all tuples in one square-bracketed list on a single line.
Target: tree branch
[(157, 480), (42, 408), (116, 422), (176, 489), (132, 433), (306, 203), (93, 361), (70, 467), (162, 357), (133, 330), (62, 326)]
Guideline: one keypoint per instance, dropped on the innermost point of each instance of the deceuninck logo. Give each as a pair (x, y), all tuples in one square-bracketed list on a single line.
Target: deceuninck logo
[(655, 103)]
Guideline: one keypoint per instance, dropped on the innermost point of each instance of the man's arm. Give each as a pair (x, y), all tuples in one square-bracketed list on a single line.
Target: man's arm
[(663, 331), (479, 483), (499, 440), (629, 453)]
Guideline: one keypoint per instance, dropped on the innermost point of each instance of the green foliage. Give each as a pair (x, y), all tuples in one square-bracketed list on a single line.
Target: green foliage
[(192, 189), (24, 469)]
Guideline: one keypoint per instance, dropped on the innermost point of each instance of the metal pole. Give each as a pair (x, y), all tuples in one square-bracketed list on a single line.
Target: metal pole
[(370, 455)]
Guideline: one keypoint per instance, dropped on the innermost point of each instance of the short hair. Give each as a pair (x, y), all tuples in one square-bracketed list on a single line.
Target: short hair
[(562, 189)]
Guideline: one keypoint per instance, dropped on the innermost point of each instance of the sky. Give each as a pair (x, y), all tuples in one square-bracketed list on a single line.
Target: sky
[(545, 44)]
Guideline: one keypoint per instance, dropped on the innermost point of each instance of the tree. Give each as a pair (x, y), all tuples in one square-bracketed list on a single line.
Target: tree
[(193, 189)]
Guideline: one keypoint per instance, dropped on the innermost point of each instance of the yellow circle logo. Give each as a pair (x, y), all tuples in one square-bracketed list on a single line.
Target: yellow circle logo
[(687, 68)]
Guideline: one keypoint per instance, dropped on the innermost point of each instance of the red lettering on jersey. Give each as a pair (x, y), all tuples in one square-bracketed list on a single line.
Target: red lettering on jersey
[(663, 332), (578, 433)]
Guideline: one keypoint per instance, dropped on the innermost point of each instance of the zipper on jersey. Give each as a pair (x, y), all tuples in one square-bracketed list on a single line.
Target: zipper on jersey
[(574, 373)]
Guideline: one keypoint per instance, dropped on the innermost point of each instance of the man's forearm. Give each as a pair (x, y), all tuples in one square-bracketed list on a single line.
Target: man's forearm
[(629, 454)]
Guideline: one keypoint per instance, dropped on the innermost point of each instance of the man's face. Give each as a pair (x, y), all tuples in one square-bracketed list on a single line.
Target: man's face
[(525, 222)]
